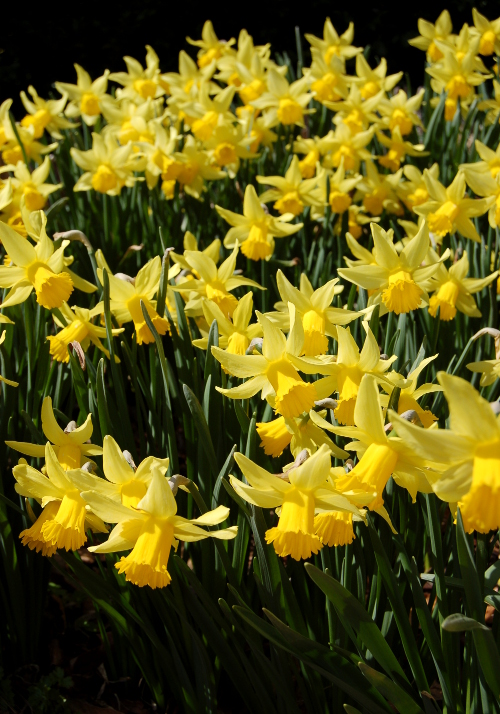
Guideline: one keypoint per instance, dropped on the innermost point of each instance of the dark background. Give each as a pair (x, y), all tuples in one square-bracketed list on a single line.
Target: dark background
[(39, 43)]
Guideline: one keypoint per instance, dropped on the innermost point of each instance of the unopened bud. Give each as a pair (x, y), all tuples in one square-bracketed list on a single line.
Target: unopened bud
[(130, 461), (175, 481), (71, 427)]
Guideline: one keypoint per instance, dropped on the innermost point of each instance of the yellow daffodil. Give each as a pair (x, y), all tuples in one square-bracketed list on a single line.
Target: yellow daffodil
[(234, 336), (128, 121), (397, 280), (227, 146), (356, 219), (313, 307), (471, 448), (401, 111), (160, 154), (410, 393), (298, 432), (150, 530), (378, 191), (211, 113), (256, 230), (492, 107), (192, 168), (315, 150), (292, 193), (453, 290), (350, 147), (333, 44), (211, 48), (382, 456), (246, 68), (190, 243), (214, 283), (341, 188), (371, 81), (489, 33), (413, 192), (326, 79), (86, 96), (441, 31), (483, 184), (108, 166), (304, 493), (284, 103), (138, 83), (45, 114), (78, 327), (31, 185), (64, 518), (346, 370), (71, 446), (9, 144), (398, 149), (449, 209), (272, 372), (356, 112), (490, 160)]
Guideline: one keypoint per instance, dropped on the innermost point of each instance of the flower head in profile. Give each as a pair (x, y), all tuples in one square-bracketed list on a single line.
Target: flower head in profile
[(108, 167), (398, 149), (450, 209), (31, 185), (211, 48), (235, 335), (470, 448), (489, 32), (85, 96), (299, 433), (64, 518), (71, 446), (291, 192), (350, 147), (334, 45), (213, 283), (300, 494), (150, 531), (327, 79), (78, 327), (371, 81), (256, 230), (429, 33), (397, 280), (410, 392), (489, 369), (45, 114), (379, 191), (284, 103), (140, 83), (190, 243), (401, 111)]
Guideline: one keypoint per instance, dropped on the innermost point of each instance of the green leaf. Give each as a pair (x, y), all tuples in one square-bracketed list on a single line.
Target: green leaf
[(397, 696)]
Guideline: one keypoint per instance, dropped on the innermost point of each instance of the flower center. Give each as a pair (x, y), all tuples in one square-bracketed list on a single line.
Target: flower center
[(257, 246), (51, 289), (419, 196), (339, 201), (480, 507), (69, 456), (290, 203), (487, 43), (350, 160), (38, 121), (293, 396), (147, 562), (294, 534), (225, 154), (374, 202), (434, 52), (203, 128), (221, 297), (445, 299), (334, 528), (132, 492), (400, 118), (458, 87), (402, 294), (89, 104), (67, 528), (290, 111), (142, 331), (33, 538), (77, 331), (370, 89), (104, 179), (441, 222), (252, 91), (371, 473), (146, 88), (355, 121), (325, 88), (238, 343), (33, 198)]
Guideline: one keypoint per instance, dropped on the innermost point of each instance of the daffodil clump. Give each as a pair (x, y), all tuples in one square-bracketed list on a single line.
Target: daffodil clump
[(244, 303)]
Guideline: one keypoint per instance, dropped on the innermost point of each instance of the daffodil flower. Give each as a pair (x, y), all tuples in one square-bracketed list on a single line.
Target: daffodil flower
[(410, 393), (291, 192), (138, 83), (449, 209), (489, 33), (31, 185), (86, 95), (488, 368), (211, 48), (350, 147), (272, 372), (453, 290), (313, 308), (78, 327), (346, 370), (235, 336), (471, 447), (298, 432), (150, 530), (11, 149), (214, 283), (227, 146), (327, 79), (397, 280), (45, 114), (284, 103), (356, 112), (381, 455), (256, 230), (315, 149), (490, 159), (192, 168), (378, 191), (125, 483), (38, 268), (398, 149), (72, 446), (414, 192), (129, 122), (126, 295), (108, 167), (333, 44), (65, 517), (341, 187), (304, 494), (211, 113), (371, 81), (401, 111), (429, 33), (492, 107), (190, 243)]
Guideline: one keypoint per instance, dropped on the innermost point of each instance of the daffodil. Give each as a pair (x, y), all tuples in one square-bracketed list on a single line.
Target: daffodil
[(64, 518), (429, 33), (401, 111), (471, 448), (9, 144), (31, 185), (78, 326), (291, 192), (45, 114), (256, 230), (453, 290), (300, 496), (125, 483), (234, 336), (211, 48), (449, 209), (272, 372), (185, 84), (128, 121), (397, 280), (410, 393), (327, 79), (108, 166), (213, 283), (398, 149), (350, 147), (356, 112), (246, 68), (298, 432), (333, 44), (414, 192), (211, 113), (346, 370), (227, 146), (193, 168), (284, 103), (340, 198), (490, 160), (190, 243), (371, 81), (313, 307), (39, 268), (159, 154), (71, 446), (489, 33), (150, 530), (378, 191), (382, 455), (315, 149), (126, 295), (86, 95), (356, 219), (140, 83), (492, 107)]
